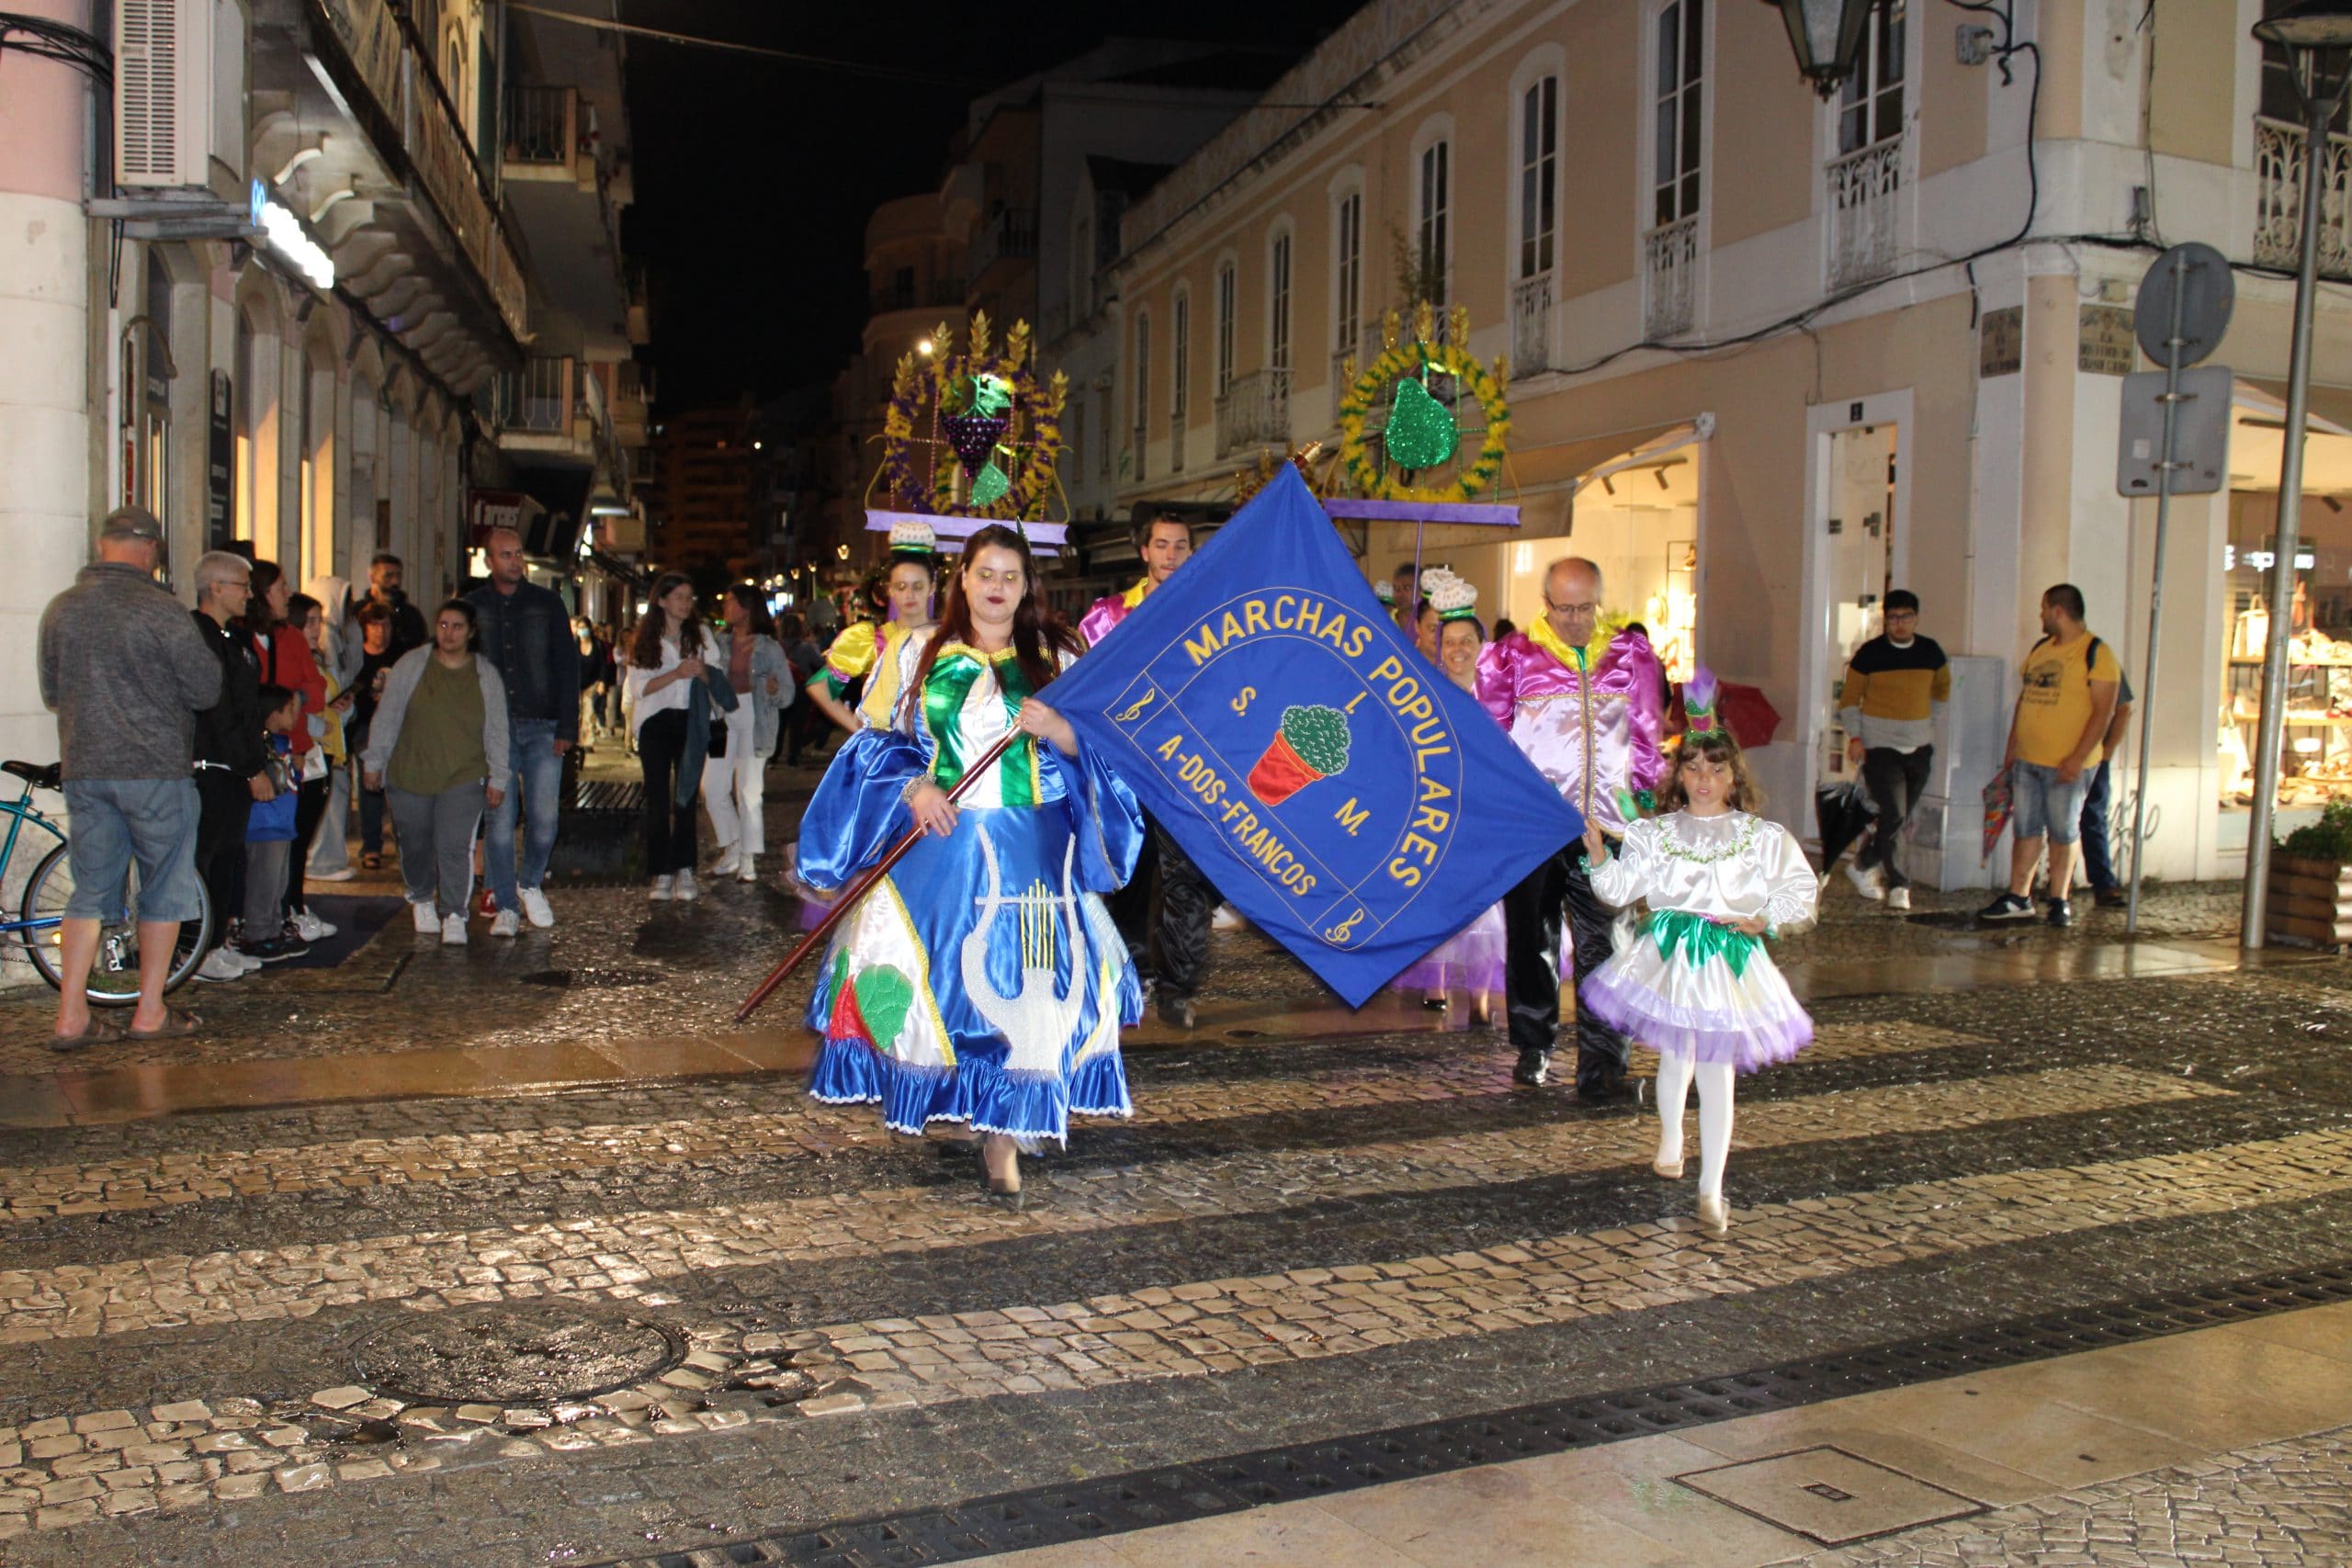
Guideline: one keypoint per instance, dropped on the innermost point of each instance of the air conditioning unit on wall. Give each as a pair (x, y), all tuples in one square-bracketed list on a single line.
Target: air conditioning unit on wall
[(180, 98)]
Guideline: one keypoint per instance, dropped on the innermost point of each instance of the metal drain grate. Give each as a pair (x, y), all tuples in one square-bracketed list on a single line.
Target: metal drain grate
[(1050, 1516)]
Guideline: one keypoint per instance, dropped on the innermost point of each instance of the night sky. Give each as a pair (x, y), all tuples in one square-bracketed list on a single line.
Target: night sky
[(755, 176)]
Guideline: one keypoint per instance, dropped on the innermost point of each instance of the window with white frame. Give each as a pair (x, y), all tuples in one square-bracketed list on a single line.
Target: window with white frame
[(1870, 108), (1180, 360), (1348, 287), (1539, 158), (1225, 298), (1435, 210), (1681, 28), (1278, 302)]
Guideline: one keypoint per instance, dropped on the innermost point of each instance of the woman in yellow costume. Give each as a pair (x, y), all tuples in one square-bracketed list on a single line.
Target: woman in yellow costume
[(907, 591)]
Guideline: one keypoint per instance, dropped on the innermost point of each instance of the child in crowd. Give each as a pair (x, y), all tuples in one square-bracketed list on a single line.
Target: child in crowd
[(269, 837), (1696, 985)]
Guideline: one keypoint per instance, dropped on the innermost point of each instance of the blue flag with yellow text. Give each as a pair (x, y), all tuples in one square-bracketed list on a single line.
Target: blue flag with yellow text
[(1336, 788)]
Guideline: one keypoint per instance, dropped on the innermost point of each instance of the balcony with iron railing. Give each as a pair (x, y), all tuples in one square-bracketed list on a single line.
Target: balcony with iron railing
[(547, 134), (1670, 273), (1254, 410), (389, 62), (2278, 199), (554, 407), (632, 402), (1531, 326), (937, 295), (1011, 234), (1864, 188)]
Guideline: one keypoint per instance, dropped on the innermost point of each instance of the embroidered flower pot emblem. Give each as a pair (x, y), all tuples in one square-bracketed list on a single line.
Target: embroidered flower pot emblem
[(1310, 744)]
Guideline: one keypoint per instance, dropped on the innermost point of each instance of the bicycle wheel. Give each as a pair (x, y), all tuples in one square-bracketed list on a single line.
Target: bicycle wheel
[(113, 974)]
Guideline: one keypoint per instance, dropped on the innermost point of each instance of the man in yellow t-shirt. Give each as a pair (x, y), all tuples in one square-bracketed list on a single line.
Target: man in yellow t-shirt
[(2066, 693)]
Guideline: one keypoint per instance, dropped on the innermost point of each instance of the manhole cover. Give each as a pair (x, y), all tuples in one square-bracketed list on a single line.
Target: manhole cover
[(530, 1353), (585, 979)]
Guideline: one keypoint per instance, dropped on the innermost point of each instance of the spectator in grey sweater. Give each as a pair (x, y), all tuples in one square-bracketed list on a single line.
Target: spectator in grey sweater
[(122, 667)]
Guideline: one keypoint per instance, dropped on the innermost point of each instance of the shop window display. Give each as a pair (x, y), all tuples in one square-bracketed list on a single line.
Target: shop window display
[(2315, 765)]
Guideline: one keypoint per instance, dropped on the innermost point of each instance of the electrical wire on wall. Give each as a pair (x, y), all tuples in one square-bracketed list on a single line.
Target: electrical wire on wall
[(47, 39)]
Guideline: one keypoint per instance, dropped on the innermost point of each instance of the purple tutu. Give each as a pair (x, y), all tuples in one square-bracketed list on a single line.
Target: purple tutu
[(1699, 1009), (1472, 959)]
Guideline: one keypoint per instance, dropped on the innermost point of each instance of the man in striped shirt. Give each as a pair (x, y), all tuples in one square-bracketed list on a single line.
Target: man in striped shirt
[(1894, 684)]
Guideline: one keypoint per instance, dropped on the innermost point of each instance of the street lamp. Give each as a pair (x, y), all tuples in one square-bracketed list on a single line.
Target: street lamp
[(2307, 30), (1828, 38)]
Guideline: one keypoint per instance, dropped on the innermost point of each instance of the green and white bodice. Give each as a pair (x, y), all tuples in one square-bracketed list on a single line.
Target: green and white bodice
[(968, 701)]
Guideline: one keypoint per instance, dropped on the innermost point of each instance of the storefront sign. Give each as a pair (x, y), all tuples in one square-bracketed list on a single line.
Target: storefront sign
[(2000, 341), (220, 474), (2105, 345)]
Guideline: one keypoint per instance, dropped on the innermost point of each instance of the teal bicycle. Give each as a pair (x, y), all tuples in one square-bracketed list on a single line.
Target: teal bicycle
[(114, 977)]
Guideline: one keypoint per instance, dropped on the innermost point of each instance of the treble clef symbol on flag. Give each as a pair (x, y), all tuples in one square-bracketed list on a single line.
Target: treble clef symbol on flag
[(1135, 708), (1345, 929)]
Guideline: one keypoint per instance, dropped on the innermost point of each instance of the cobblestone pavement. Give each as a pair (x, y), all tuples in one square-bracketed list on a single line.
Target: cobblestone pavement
[(1389, 1231), (616, 1322), (2282, 1504)]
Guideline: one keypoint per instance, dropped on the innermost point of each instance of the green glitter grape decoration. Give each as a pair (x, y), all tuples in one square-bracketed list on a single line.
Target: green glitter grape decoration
[(1421, 431)]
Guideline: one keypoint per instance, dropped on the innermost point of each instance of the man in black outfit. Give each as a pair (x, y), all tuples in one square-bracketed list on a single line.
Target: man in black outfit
[(384, 588), (231, 758)]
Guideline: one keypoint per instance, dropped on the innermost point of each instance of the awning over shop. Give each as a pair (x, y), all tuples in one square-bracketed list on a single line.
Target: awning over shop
[(2330, 412), (1557, 465)]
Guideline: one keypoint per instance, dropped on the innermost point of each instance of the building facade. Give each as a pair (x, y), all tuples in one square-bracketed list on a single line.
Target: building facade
[(277, 293), (1768, 356)]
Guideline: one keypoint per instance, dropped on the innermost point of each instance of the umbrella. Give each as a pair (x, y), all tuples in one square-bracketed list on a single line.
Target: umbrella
[(1745, 712), (1845, 812), (2000, 805)]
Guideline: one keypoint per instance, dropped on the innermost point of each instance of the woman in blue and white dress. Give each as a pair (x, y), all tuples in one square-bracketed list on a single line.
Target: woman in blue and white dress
[(982, 982)]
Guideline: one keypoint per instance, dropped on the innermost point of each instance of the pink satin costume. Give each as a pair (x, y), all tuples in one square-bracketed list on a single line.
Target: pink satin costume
[(1591, 731)]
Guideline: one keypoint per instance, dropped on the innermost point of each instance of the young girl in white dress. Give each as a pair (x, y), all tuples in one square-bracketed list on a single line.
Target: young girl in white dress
[(1697, 985)]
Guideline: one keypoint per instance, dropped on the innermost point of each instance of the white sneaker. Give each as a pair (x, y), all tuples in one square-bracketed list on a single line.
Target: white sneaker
[(1866, 883), (453, 930), (346, 874), (729, 863), (242, 959), (748, 872), (1898, 898), (536, 909), (313, 929), (427, 923), (662, 891), (506, 923), (220, 964), (1227, 918), (685, 890)]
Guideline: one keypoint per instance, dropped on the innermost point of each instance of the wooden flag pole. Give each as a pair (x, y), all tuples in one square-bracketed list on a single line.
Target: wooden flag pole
[(858, 889)]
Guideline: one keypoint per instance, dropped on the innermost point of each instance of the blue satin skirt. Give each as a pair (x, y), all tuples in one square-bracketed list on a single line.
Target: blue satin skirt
[(979, 982)]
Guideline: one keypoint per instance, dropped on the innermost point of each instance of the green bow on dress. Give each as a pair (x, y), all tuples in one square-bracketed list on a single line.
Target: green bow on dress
[(1701, 939)]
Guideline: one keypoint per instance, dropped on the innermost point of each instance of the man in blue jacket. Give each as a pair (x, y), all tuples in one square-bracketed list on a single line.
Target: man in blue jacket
[(527, 636)]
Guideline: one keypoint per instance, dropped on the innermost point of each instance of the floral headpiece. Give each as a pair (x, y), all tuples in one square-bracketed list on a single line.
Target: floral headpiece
[(1699, 701), (1451, 597), (909, 537)]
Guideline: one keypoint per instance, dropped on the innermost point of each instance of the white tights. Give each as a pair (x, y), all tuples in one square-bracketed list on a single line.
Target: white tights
[(1674, 1075)]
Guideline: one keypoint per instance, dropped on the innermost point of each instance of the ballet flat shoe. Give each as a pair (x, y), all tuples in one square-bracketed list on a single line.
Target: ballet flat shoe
[(1715, 1215), (1669, 1170)]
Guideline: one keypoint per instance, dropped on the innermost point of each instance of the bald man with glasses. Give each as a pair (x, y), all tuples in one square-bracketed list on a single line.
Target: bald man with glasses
[(1586, 709)]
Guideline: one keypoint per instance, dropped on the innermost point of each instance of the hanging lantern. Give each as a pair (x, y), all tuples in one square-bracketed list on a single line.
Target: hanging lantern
[(1828, 38)]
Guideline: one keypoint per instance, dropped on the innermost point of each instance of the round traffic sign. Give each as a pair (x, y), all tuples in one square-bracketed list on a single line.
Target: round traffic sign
[(2199, 276)]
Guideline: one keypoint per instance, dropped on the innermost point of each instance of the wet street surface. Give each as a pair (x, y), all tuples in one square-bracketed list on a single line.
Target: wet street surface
[(520, 1253)]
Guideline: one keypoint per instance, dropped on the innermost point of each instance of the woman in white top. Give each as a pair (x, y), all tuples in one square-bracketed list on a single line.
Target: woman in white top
[(734, 784), (664, 662)]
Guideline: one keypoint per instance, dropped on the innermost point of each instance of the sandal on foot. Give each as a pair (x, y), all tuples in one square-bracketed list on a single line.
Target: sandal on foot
[(176, 1025), (101, 1028)]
